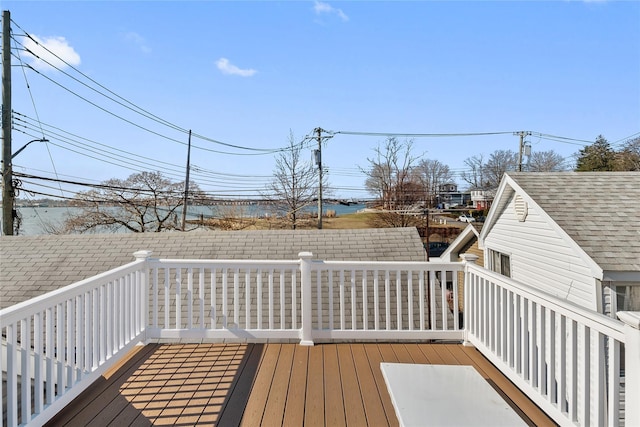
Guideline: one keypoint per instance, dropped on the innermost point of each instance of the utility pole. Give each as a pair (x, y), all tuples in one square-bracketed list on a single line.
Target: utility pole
[(7, 172), (319, 163), (186, 184), (522, 134)]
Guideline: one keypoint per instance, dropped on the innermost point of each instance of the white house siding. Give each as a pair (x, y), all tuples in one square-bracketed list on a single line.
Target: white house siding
[(540, 257)]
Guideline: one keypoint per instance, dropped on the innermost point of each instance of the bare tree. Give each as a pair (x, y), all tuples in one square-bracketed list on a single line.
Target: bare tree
[(141, 203), (391, 179), (500, 161), (546, 161), (294, 182), (432, 174), (390, 171), (474, 176), (628, 158)]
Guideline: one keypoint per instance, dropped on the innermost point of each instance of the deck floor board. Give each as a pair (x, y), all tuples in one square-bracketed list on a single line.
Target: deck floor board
[(267, 384)]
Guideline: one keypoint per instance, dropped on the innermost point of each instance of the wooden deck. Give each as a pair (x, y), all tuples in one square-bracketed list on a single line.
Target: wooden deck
[(267, 384)]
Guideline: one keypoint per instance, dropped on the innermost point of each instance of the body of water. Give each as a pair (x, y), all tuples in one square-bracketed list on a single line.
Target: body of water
[(35, 220)]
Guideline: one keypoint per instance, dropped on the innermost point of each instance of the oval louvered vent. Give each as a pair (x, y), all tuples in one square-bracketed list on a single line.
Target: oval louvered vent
[(521, 208)]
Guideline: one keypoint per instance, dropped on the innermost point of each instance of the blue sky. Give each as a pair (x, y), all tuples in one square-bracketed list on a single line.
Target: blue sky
[(246, 73)]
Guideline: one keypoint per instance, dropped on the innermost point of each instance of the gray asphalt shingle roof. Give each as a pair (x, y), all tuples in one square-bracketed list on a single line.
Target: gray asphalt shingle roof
[(33, 265), (598, 210)]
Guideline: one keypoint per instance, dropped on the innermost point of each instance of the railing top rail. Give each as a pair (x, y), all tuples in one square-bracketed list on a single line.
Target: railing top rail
[(185, 263), (394, 265), (41, 302), (597, 321)]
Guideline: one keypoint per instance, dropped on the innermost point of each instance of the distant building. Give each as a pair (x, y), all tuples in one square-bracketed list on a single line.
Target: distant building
[(449, 197), (482, 199)]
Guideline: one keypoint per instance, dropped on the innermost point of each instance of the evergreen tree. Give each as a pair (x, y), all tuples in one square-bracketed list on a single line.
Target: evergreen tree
[(596, 157)]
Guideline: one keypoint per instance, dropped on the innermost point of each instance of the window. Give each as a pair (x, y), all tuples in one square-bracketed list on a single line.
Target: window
[(627, 298), (500, 263)]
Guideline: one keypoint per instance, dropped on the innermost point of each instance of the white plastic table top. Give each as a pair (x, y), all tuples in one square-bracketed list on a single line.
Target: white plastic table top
[(444, 395)]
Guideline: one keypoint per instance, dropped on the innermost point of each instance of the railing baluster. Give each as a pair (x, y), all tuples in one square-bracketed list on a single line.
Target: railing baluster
[(342, 303), (613, 383), (562, 364), (585, 376), (201, 286), (598, 394), (532, 343), (444, 306), (167, 295), (542, 351), (551, 351), (178, 319), (95, 321), (525, 337), (282, 301), (189, 298), (154, 298), (88, 328), (224, 296), (572, 372), (410, 299), (111, 315), (259, 297), (331, 311), (398, 300), (247, 299), (79, 337), (365, 302), (376, 302), (236, 298), (270, 290), (12, 375), (432, 300), (294, 300), (70, 362), (214, 293), (456, 300), (60, 377), (319, 298), (25, 371), (518, 326), (38, 377), (387, 299), (354, 308)]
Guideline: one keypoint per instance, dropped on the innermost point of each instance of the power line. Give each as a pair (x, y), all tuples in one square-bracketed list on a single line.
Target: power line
[(126, 103), (417, 135)]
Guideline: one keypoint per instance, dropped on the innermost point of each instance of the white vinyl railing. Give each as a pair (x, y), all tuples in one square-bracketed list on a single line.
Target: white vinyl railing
[(566, 359), (57, 344), (302, 300)]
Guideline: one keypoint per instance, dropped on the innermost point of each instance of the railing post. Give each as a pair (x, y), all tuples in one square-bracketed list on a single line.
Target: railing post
[(144, 283), (306, 337), (466, 307), (631, 321)]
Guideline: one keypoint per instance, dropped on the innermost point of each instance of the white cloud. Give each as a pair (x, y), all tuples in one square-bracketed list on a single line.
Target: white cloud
[(138, 41), (50, 50), (226, 67), (321, 8)]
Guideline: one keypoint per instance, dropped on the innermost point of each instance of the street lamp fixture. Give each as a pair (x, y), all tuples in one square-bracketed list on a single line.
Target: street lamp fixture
[(25, 146), (8, 189)]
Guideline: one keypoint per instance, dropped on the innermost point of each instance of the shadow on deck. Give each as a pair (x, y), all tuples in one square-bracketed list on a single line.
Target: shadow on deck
[(267, 384)]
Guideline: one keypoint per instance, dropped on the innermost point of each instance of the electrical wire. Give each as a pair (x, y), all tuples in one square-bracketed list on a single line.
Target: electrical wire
[(124, 102), (35, 109), (417, 135)]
